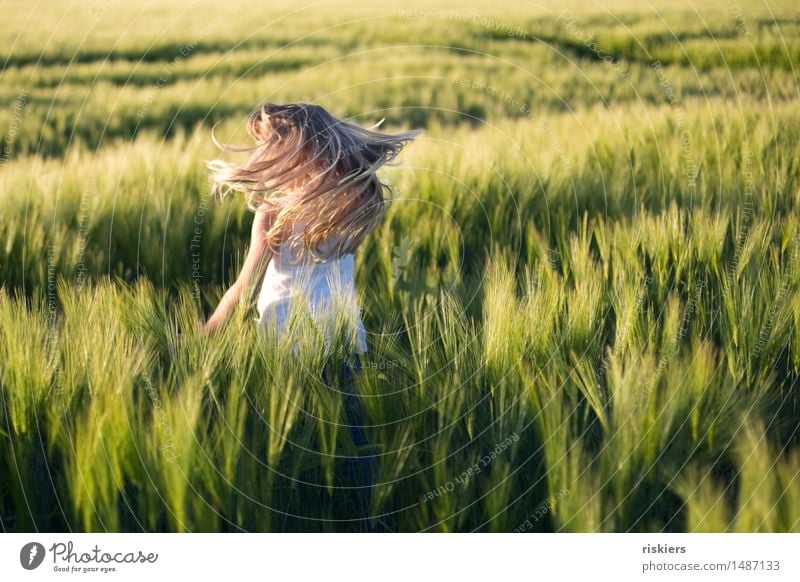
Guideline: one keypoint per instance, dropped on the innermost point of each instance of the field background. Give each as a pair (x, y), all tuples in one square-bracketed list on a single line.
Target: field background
[(583, 304)]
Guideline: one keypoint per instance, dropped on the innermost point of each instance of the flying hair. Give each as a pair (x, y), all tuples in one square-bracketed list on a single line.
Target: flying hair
[(315, 171)]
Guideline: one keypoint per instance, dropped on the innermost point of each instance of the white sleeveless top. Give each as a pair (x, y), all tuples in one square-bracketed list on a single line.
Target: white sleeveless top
[(321, 284)]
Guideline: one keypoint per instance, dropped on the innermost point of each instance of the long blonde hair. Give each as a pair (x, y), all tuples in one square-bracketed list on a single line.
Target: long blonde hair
[(314, 170)]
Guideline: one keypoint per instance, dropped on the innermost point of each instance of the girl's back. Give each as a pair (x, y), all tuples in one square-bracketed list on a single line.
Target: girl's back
[(320, 285), (312, 179)]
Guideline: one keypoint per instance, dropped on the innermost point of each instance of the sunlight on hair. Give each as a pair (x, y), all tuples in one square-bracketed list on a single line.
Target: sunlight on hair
[(317, 170)]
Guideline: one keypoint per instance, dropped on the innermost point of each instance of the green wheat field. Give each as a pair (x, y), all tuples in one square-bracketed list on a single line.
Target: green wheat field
[(583, 304)]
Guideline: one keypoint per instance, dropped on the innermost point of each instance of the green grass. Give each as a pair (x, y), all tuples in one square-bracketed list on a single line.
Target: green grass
[(583, 304)]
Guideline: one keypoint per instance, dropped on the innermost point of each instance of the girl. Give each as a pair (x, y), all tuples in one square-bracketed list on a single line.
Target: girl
[(312, 183), (313, 186)]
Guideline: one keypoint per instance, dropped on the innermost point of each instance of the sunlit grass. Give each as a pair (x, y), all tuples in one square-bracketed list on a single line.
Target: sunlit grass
[(564, 329)]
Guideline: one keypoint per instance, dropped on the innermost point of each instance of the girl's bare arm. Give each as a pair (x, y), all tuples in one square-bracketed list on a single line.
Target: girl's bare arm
[(252, 269)]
